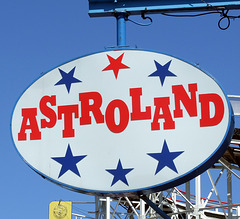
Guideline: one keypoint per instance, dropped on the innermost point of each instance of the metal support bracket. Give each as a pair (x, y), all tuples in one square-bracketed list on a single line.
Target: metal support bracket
[(121, 29)]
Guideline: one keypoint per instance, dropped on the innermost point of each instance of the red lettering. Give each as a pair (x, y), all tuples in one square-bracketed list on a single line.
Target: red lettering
[(123, 117), (117, 114), (190, 104), (162, 103), (136, 114), (68, 111), (29, 122), (206, 119), (86, 107), (48, 112)]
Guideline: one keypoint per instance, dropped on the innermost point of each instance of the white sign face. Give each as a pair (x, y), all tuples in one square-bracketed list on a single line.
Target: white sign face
[(125, 121)]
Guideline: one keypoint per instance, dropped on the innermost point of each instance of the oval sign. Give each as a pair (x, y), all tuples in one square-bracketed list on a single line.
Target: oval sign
[(125, 121)]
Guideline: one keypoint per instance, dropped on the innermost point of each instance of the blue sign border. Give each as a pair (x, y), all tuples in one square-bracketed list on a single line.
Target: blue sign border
[(213, 158)]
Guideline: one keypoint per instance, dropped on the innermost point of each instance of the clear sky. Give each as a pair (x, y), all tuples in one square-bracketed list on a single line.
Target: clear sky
[(37, 36)]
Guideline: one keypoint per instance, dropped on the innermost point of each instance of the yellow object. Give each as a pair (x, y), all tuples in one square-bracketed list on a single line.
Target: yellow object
[(60, 210)]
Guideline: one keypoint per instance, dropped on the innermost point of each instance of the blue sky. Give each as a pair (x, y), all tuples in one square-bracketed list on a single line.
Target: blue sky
[(37, 36)]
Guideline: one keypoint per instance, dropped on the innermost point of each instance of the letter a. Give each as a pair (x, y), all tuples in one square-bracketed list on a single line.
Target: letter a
[(29, 122), (162, 104)]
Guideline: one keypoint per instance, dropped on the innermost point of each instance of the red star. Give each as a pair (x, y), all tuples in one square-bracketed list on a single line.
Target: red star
[(115, 65)]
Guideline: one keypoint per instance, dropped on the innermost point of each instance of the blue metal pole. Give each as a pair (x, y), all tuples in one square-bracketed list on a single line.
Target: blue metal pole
[(121, 29), (155, 207)]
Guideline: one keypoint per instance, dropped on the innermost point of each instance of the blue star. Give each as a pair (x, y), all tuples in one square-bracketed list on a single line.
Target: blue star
[(119, 173), (69, 162), (67, 79), (165, 158), (162, 71)]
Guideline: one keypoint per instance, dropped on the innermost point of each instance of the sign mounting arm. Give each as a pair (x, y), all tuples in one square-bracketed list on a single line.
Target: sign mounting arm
[(121, 29)]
